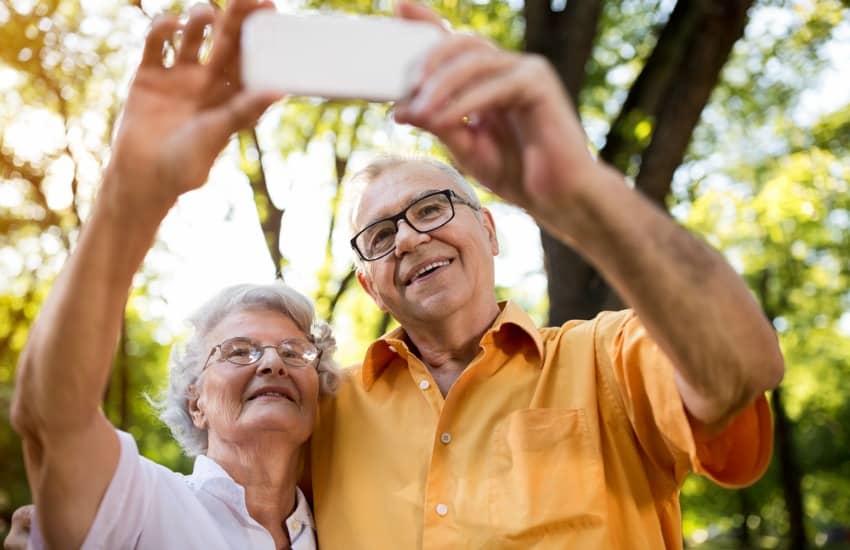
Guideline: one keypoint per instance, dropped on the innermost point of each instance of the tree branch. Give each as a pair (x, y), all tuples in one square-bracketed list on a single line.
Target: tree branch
[(343, 286), (705, 54), (269, 215), (649, 89)]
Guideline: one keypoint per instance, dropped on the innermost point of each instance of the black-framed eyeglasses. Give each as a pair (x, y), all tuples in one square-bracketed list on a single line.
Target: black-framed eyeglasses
[(424, 215), (241, 351)]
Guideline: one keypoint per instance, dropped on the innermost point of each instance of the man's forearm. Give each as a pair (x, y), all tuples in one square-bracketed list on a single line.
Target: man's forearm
[(66, 362), (689, 298)]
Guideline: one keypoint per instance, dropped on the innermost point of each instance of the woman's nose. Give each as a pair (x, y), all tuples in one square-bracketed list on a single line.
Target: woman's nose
[(271, 364)]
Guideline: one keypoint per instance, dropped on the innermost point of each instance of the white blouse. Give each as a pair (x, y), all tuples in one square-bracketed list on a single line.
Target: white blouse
[(147, 506)]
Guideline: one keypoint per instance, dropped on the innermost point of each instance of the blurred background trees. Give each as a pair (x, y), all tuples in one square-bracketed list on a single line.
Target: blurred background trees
[(731, 114)]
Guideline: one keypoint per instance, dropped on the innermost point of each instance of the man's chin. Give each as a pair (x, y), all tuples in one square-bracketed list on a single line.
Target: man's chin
[(434, 308)]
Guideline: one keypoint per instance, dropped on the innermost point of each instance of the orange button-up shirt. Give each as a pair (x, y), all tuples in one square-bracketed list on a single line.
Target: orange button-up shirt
[(570, 437)]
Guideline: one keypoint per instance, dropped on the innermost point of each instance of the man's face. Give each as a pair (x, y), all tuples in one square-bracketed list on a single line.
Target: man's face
[(428, 276)]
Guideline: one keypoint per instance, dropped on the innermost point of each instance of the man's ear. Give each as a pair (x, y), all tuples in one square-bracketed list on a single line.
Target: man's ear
[(199, 418), (366, 283), (490, 225)]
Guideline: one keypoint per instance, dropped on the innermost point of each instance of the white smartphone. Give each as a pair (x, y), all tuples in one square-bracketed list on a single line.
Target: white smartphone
[(333, 55)]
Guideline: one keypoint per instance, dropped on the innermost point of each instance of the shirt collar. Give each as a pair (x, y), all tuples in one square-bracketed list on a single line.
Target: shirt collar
[(512, 320), (209, 476)]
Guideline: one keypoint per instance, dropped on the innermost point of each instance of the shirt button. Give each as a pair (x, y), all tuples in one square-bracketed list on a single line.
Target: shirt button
[(446, 437), (442, 509), (424, 385)]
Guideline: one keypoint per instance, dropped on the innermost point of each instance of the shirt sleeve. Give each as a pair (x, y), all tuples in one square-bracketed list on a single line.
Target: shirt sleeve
[(644, 375), (120, 516)]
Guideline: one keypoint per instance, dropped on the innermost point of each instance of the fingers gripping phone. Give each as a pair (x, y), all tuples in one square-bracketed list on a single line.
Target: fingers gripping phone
[(334, 56)]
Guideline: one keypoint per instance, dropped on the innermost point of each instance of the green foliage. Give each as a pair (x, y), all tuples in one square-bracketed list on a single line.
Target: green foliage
[(627, 34), (790, 238), (780, 57), (769, 191), (833, 132), (60, 64), (17, 313), (140, 370)]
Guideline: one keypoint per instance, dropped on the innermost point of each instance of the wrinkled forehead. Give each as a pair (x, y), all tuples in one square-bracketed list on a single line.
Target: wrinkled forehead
[(259, 324), (396, 188)]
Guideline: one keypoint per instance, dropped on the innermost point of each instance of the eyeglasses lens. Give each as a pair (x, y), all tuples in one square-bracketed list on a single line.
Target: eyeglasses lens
[(297, 353), (426, 214)]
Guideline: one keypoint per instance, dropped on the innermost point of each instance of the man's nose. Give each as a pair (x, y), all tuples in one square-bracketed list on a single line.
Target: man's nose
[(407, 238)]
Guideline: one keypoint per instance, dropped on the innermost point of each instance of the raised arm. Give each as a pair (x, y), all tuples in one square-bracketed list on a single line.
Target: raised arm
[(508, 122), (175, 122)]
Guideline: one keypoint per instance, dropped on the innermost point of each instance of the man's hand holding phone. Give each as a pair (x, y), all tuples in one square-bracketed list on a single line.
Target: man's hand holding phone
[(506, 119)]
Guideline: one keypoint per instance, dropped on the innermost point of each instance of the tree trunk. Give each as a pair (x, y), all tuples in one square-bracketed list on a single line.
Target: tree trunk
[(790, 474), (670, 93), (792, 478), (566, 39), (748, 508)]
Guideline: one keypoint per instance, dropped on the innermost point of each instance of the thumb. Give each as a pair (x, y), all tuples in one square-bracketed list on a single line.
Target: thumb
[(240, 112)]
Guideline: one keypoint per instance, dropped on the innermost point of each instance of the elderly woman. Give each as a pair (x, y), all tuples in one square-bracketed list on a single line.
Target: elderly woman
[(243, 396)]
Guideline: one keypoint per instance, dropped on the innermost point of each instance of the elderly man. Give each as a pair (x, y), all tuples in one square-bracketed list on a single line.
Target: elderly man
[(469, 427)]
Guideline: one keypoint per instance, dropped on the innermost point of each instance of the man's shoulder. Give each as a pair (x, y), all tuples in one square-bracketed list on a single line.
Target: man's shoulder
[(603, 322)]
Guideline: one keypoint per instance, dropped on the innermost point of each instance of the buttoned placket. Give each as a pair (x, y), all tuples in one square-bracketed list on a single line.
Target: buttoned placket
[(212, 479), (439, 497), (439, 489)]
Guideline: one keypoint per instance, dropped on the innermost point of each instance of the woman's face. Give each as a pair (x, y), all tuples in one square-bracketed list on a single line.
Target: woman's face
[(237, 404)]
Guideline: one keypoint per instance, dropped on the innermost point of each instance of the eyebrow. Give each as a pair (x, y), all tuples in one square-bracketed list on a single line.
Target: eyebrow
[(410, 201)]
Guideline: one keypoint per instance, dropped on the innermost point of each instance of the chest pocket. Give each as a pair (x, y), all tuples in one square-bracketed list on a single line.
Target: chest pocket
[(545, 478)]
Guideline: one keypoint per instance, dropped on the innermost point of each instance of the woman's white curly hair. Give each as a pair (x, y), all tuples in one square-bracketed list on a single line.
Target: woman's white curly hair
[(187, 361)]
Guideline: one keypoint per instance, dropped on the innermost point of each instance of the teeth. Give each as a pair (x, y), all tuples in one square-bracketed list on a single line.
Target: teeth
[(429, 267), (270, 393)]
